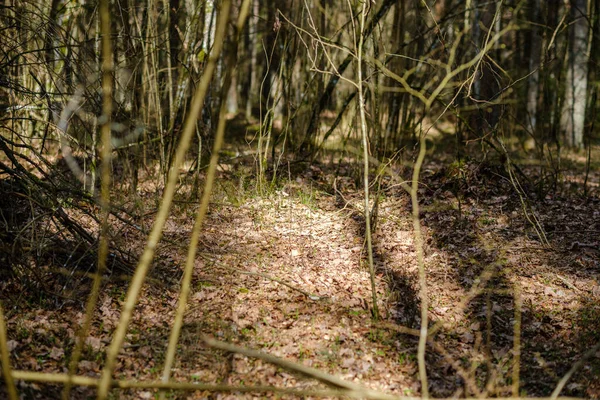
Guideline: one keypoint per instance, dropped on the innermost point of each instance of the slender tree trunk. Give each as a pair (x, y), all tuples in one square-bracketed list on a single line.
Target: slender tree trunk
[(573, 110), (397, 64), (51, 32), (547, 120), (533, 83), (365, 145), (232, 95), (485, 86), (253, 39)]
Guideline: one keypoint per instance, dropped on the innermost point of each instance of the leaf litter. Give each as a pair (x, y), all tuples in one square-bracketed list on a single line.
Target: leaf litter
[(478, 245)]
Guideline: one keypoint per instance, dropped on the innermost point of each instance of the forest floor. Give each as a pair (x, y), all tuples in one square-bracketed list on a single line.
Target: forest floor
[(498, 260)]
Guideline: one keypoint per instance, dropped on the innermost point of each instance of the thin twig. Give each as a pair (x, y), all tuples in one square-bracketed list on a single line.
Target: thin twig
[(323, 377), (5, 358)]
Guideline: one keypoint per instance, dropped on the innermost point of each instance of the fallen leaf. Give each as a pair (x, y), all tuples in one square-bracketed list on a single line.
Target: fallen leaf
[(88, 366), (467, 337), (348, 362), (12, 344), (56, 353), (94, 343)]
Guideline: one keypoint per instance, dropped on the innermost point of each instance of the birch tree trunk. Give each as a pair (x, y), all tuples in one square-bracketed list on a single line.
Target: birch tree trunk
[(573, 110)]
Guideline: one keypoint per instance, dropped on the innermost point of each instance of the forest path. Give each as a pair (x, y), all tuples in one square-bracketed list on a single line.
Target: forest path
[(304, 239), (312, 238)]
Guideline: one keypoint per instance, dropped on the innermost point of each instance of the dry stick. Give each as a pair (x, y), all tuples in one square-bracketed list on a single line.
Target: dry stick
[(365, 143), (210, 177), (488, 342), (428, 101), (129, 384), (421, 264), (105, 155), (323, 377), (516, 369), (163, 212), (5, 358)]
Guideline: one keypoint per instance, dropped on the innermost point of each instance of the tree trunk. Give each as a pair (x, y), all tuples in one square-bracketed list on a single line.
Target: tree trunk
[(533, 83), (573, 110), (397, 64)]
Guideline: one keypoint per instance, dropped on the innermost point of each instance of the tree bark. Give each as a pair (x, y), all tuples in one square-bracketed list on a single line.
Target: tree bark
[(573, 111), (533, 83)]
